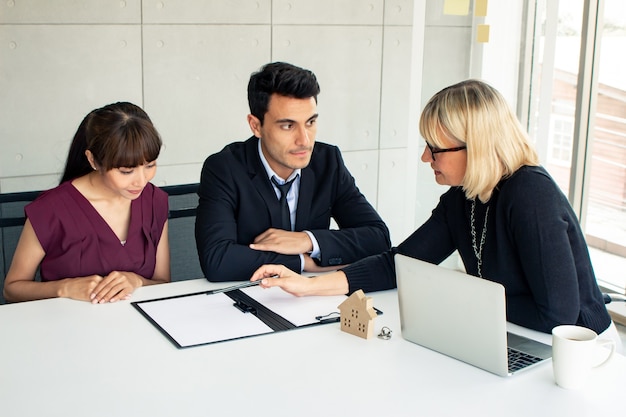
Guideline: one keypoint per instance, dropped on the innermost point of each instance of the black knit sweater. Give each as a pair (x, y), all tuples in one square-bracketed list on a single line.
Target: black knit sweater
[(534, 246)]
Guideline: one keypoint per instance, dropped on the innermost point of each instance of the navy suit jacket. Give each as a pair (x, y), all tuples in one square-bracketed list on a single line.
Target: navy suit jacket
[(238, 203)]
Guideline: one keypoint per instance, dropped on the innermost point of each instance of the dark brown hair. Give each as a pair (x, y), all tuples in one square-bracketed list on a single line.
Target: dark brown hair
[(279, 78), (118, 135)]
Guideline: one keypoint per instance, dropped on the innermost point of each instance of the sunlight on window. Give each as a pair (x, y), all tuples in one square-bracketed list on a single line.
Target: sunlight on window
[(553, 111)]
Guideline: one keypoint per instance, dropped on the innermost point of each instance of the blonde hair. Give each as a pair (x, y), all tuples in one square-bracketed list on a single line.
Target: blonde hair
[(474, 114)]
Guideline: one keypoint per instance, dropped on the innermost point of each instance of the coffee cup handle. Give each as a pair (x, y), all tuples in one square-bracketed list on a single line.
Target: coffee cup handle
[(606, 342)]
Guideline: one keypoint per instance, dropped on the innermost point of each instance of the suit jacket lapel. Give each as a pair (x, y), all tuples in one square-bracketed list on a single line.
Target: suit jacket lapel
[(305, 199), (258, 177)]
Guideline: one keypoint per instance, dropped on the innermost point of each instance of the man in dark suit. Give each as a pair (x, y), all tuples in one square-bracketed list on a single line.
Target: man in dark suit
[(243, 220)]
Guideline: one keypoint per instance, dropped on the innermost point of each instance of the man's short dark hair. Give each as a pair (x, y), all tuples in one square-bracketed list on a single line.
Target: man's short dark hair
[(279, 78)]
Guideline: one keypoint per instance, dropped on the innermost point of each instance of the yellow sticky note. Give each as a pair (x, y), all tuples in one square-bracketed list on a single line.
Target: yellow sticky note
[(482, 33), (480, 8), (456, 7)]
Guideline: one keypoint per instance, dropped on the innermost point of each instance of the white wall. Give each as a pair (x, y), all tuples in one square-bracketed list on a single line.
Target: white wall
[(187, 63), (446, 58)]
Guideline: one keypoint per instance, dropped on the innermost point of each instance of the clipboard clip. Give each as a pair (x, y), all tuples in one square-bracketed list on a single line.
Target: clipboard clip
[(244, 308), (328, 318)]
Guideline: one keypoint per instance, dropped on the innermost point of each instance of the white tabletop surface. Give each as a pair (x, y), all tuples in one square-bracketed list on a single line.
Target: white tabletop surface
[(68, 358)]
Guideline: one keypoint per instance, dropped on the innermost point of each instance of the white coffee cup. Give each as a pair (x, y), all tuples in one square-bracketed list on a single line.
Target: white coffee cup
[(575, 353)]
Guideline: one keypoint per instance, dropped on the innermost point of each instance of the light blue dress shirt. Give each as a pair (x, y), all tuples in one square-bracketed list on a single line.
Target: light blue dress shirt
[(292, 201)]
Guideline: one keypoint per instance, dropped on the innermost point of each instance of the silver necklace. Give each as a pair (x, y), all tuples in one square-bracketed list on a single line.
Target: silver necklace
[(478, 249)]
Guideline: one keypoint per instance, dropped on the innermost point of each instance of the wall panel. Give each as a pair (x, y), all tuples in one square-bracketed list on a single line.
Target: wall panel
[(70, 11), (207, 12), (347, 62), (394, 97), (392, 193), (448, 62), (328, 12), (363, 166), (195, 86), (399, 12), (51, 76)]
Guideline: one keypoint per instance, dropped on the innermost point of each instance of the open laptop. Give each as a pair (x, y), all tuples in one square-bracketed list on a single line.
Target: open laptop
[(461, 316)]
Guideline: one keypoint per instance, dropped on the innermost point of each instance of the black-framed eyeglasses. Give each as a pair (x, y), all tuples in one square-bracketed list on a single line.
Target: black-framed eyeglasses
[(433, 150)]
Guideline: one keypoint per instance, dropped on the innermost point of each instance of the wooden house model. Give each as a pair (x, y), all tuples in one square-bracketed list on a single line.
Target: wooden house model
[(357, 315)]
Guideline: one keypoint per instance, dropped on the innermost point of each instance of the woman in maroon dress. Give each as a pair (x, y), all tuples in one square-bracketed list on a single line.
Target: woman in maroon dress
[(103, 231)]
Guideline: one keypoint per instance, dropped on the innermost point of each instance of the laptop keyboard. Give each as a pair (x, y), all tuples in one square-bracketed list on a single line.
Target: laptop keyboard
[(519, 359)]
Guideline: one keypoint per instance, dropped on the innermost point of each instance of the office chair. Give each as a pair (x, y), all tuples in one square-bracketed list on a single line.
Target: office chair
[(610, 297)]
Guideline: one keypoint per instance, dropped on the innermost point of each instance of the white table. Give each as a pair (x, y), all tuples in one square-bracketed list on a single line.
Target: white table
[(67, 358)]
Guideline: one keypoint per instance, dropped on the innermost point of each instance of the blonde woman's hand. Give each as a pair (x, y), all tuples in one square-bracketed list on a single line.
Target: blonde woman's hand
[(334, 283), (283, 277)]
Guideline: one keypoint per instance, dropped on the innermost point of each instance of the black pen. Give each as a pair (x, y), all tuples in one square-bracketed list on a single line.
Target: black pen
[(235, 287)]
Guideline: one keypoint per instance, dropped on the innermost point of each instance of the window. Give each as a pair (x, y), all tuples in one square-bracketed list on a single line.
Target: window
[(560, 140), (577, 110)]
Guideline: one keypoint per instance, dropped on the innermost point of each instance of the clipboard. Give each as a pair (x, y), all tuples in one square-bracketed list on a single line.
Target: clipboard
[(222, 315)]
